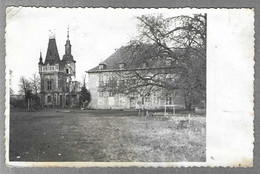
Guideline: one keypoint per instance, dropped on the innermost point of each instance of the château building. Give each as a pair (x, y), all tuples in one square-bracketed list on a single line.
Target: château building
[(57, 77), (113, 84)]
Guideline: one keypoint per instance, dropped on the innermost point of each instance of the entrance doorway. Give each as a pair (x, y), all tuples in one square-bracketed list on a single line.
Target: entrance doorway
[(67, 100)]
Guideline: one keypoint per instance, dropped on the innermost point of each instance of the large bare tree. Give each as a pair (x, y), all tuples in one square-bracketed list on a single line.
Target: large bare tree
[(35, 84), (25, 88), (30, 89), (180, 40)]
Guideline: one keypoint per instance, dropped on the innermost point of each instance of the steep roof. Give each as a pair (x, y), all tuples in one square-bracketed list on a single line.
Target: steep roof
[(52, 55), (127, 56)]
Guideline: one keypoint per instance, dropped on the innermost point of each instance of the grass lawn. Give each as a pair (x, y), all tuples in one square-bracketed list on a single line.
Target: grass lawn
[(101, 136)]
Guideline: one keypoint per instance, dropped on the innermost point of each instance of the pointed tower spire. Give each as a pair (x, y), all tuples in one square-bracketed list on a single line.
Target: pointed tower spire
[(40, 59), (68, 33), (52, 54), (67, 55)]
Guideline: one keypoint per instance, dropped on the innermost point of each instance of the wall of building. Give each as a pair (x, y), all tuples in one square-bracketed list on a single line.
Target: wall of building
[(60, 87), (93, 89), (104, 99)]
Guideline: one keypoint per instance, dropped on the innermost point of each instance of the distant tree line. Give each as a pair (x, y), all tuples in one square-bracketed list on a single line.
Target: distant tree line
[(29, 89)]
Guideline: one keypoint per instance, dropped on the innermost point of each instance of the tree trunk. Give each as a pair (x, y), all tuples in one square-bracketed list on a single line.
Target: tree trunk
[(188, 103), (188, 106)]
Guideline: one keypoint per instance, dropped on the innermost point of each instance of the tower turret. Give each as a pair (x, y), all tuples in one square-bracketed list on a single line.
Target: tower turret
[(67, 55), (40, 59), (68, 45), (40, 62)]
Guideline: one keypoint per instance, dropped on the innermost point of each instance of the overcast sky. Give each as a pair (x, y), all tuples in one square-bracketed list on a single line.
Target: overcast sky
[(94, 35)]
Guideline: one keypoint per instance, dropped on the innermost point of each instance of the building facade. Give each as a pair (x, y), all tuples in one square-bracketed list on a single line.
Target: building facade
[(113, 84), (57, 77)]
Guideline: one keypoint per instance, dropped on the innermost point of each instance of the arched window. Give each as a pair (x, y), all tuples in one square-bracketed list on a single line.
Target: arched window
[(49, 98)]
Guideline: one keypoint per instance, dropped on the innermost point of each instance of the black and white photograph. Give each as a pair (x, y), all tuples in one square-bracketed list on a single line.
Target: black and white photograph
[(109, 85)]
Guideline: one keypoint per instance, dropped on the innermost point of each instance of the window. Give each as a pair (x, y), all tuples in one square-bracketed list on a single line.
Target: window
[(131, 81), (121, 65), (49, 99), (110, 79), (101, 83), (102, 66), (49, 85), (147, 99), (121, 82), (168, 62), (67, 71), (169, 78), (142, 100), (111, 94), (60, 99), (158, 100)]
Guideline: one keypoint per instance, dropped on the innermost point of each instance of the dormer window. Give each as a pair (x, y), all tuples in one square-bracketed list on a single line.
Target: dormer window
[(102, 66), (121, 65)]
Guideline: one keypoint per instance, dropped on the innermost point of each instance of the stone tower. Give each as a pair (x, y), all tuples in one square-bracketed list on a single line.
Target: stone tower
[(58, 85)]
